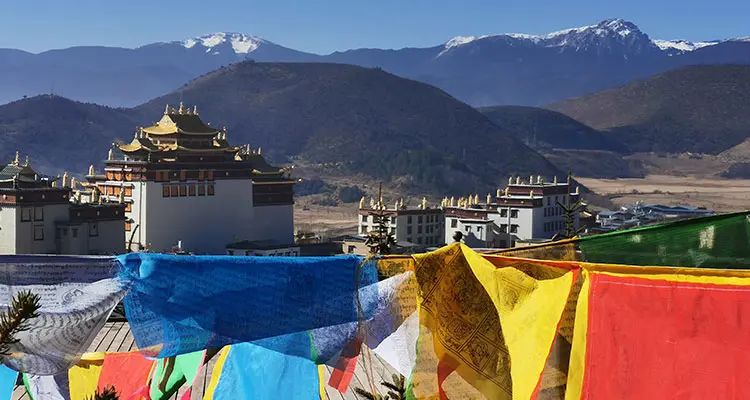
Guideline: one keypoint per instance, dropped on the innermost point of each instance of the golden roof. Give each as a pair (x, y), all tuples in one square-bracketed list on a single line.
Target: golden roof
[(178, 123)]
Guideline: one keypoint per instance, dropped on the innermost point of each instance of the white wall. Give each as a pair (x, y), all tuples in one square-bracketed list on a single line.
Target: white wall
[(25, 243), (433, 230), (8, 223)]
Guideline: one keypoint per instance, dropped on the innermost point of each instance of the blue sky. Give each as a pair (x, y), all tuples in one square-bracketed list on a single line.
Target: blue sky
[(323, 26)]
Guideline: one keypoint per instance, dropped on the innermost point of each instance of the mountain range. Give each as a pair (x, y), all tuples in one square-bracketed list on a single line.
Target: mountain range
[(334, 119), (502, 69)]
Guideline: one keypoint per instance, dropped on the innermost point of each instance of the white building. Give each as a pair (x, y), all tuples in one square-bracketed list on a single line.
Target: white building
[(182, 181), (36, 217), (422, 225), (523, 211)]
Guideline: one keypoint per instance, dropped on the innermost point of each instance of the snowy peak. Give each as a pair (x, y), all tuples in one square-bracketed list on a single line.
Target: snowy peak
[(239, 42), (681, 46), (608, 33)]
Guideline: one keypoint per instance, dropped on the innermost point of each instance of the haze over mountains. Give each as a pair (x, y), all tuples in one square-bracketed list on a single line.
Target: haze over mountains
[(489, 70)]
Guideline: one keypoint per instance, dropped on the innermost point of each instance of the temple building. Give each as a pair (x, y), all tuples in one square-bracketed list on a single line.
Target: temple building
[(421, 225), (524, 211), (40, 215), (182, 182)]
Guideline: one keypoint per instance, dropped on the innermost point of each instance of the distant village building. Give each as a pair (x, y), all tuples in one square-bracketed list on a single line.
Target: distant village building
[(39, 215), (182, 182), (525, 210), (421, 225)]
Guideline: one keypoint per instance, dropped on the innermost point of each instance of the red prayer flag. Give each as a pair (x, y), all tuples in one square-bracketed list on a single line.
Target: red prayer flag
[(126, 372)]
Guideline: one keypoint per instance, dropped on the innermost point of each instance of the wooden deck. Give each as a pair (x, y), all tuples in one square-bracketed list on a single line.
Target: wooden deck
[(116, 337)]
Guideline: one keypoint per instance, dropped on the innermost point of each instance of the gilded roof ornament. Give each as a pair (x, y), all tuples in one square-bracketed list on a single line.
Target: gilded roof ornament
[(361, 201), (518, 180), (182, 109), (195, 110), (555, 180), (489, 198), (91, 170), (111, 155), (27, 162), (65, 178), (17, 160), (498, 193), (510, 180), (73, 182), (166, 109)]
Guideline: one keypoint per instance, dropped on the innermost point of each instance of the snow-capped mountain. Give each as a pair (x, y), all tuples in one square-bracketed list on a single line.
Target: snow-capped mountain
[(508, 68), (215, 42)]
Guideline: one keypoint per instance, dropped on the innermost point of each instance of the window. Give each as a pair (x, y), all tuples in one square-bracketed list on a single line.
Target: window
[(409, 240), (201, 190), (351, 249), (454, 222), (468, 229), (419, 219), (419, 229), (94, 229), (549, 201), (191, 189), (419, 240), (128, 191), (183, 175), (165, 191), (128, 176), (110, 190), (38, 213), (174, 190), (362, 229), (110, 175), (210, 189), (201, 175), (25, 214), (364, 218), (514, 213), (504, 228), (74, 232), (545, 211), (183, 190), (118, 176), (211, 175), (129, 206), (408, 219), (127, 226), (38, 232), (514, 228), (479, 230), (116, 191), (408, 230)]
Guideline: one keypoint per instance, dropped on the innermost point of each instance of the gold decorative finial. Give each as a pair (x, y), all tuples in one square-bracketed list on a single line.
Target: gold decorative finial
[(518, 180), (27, 162), (401, 203), (73, 182), (555, 180), (395, 205), (91, 170), (507, 191), (110, 155), (372, 203), (361, 202), (166, 109), (247, 149), (54, 184), (510, 180), (424, 203), (578, 190), (531, 194), (538, 179), (17, 160), (489, 198), (259, 150), (195, 110), (453, 201), (531, 180), (181, 110), (476, 198), (188, 111), (65, 179), (498, 193)]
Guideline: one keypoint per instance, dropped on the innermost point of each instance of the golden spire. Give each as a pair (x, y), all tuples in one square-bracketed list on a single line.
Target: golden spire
[(181, 110), (476, 198), (166, 109), (17, 160), (65, 179), (395, 206), (28, 162), (188, 111), (518, 180), (531, 180), (510, 180), (73, 182), (195, 110), (91, 170), (258, 150), (578, 190), (555, 180), (361, 201), (531, 194), (372, 203), (424, 203), (453, 201), (54, 184), (401, 203), (489, 198), (507, 191), (247, 149), (111, 155), (538, 179)]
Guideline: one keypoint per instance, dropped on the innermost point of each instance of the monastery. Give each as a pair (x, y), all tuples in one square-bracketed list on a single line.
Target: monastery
[(184, 185)]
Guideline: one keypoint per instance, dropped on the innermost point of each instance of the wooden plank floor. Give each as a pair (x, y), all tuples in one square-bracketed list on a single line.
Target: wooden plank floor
[(116, 337)]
